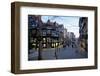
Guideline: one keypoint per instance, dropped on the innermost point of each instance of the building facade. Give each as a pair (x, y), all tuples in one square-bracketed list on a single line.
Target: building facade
[(83, 31), (50, 33)]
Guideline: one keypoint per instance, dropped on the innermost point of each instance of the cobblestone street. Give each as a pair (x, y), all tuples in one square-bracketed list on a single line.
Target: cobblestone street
[(61, 53)]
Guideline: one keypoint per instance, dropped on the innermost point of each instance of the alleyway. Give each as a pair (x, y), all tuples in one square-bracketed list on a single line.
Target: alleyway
[(61, 53)]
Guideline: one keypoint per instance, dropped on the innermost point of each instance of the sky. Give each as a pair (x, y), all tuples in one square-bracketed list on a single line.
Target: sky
[(71, 23)]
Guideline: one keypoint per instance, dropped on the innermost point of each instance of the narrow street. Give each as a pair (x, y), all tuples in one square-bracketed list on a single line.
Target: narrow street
[(61, 53)]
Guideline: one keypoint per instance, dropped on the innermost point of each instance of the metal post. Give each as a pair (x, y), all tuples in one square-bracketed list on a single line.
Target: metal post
[(40, 44), (40, 51)]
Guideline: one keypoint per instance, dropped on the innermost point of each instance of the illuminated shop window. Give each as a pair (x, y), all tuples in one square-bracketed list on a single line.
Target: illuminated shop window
[(56, 44), (44, 39), (34, 44), (44, 45)]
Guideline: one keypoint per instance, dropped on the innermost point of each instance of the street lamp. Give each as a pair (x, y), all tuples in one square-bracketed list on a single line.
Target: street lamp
[(39, 38)]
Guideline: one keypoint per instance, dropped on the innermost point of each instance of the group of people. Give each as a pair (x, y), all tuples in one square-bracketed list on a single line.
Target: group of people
[(70, 43), (81, 45)]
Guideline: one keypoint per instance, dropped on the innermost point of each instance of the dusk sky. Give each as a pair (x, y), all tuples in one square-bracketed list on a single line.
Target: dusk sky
[(71, 23)]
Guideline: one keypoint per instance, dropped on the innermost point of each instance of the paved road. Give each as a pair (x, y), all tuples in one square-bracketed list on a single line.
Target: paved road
[(62, 53)]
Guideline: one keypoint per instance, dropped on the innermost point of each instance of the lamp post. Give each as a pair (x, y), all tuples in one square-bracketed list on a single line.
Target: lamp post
[(39, 38)]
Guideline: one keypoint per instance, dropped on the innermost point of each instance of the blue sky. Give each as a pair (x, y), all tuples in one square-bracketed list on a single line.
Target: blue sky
[(69, 22)]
